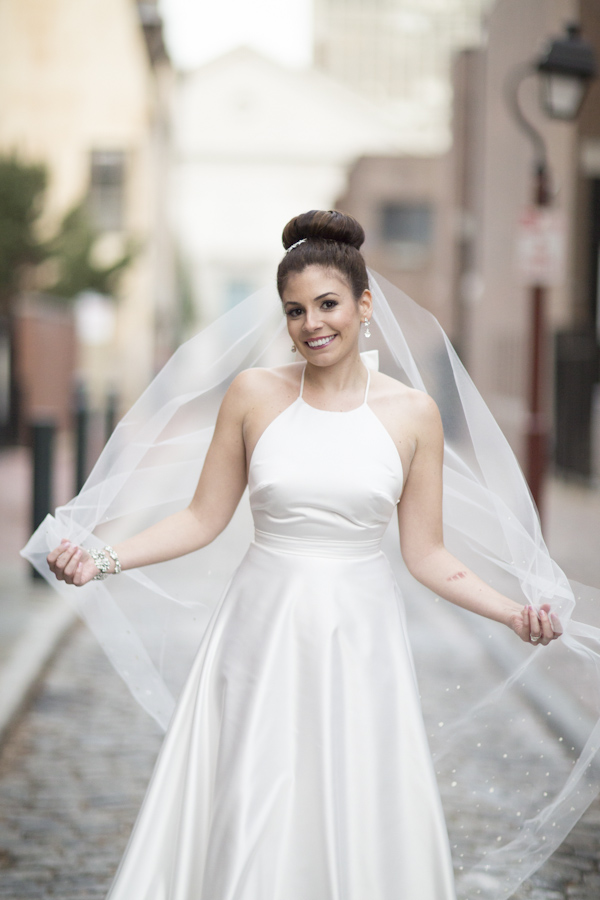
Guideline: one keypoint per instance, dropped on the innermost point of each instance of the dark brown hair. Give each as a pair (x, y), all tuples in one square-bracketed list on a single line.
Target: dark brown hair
[(332, 240)]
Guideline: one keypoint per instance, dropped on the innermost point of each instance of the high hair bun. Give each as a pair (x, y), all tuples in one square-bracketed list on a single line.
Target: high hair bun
[(328, 225), (329, 239)]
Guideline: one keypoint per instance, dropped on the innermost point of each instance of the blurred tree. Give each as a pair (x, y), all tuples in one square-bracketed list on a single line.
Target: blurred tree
[(22, 188), (72, 250), (69, 267)]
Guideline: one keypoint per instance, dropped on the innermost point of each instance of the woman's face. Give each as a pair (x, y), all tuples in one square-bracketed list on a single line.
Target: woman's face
[(323, 318)]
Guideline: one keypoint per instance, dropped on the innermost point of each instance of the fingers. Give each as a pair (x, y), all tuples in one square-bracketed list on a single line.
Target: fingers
[(63, 561), (58, 551), (544, 626), (71, 566), (535, 626)]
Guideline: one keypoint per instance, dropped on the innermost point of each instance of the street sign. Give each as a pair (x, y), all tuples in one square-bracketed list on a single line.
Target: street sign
[(540, 247)]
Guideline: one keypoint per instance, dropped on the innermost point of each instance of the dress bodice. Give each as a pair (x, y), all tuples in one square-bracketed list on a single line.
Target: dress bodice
[(324, 477)]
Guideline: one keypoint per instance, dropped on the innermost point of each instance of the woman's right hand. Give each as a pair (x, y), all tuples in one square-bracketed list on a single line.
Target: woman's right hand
[(71, 563)]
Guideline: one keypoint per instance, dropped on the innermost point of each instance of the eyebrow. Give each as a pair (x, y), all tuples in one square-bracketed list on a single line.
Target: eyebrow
[(320, 297)]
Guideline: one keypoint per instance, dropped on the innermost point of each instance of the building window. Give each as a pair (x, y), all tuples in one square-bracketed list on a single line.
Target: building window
[(407, 229), (107, 183)]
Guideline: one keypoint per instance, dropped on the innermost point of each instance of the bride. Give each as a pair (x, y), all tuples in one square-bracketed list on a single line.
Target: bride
[(296, 764)]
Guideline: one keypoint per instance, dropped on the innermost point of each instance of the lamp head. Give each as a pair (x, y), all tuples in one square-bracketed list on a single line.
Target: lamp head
[(567, 67)]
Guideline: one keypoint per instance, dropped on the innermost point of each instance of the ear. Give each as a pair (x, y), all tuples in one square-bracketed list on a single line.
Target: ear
[(365, 305)]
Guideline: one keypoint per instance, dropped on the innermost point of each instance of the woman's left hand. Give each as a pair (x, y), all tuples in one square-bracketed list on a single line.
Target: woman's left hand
[(536, 627)]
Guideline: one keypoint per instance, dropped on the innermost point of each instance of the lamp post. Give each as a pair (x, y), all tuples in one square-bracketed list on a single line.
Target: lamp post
[(565, 71)]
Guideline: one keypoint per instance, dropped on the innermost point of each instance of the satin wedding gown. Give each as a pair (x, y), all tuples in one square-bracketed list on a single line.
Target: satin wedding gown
[(296, 765)]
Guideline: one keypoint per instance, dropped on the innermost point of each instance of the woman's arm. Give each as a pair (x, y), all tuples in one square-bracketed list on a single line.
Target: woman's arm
[(220, 487), (421, 538)]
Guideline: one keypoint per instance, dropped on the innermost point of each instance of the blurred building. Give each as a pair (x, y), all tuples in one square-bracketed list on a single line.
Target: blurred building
[(397, 53), (257, 143), (84, 88), (492, 183), (403, 203)]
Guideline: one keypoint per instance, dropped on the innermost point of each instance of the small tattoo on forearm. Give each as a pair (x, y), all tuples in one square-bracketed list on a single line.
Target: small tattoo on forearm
[(457, 576)]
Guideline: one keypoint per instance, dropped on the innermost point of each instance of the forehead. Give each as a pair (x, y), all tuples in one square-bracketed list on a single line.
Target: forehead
[(312, 282)]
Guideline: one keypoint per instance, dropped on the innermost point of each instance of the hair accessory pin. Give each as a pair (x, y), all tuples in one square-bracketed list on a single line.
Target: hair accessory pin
[(297, 244)]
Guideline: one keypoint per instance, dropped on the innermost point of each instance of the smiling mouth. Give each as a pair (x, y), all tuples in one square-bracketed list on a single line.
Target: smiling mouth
[(320, 342)]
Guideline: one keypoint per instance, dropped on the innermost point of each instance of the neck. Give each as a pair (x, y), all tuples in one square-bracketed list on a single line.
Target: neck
[(345, 376)]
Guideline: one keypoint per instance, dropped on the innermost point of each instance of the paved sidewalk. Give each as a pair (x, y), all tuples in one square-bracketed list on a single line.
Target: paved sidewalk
[(33, 618)]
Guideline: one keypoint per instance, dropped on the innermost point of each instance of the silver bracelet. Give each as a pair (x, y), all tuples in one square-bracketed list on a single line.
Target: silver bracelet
[(102, 564), (113, 555)]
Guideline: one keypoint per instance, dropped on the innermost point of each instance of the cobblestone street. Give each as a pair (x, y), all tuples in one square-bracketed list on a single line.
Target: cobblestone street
[(74, 771), (72, 777)]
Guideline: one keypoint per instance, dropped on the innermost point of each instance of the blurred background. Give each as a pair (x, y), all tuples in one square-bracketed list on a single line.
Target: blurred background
[(151, 152), (150, 155)]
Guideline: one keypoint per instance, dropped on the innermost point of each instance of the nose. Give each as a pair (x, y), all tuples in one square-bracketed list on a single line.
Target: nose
[(313, 321)]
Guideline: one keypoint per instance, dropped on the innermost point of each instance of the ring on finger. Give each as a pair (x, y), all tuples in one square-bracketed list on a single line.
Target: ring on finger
[(534, 638)]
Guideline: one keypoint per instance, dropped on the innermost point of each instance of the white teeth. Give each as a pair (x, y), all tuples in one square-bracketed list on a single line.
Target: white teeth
[(320, 341)]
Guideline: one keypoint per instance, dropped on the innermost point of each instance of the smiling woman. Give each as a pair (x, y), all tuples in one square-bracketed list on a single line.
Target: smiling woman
[(296, 762), (326, 322)]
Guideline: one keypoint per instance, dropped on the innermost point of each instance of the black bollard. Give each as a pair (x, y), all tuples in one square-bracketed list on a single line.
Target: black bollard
[(110, 419), (82, 419), (43, 432)]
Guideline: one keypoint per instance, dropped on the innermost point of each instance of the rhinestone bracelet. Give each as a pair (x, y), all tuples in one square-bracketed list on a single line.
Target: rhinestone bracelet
[(102, 564), (113, 555)]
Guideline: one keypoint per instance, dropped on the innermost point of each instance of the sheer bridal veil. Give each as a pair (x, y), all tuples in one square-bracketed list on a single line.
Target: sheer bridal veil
[(515, 753)]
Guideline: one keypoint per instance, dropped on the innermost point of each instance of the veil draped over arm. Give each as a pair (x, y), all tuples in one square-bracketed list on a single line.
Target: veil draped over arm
[(516, 752)]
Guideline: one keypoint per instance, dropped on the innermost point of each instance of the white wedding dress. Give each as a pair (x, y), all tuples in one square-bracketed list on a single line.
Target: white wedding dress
[(296, 765)]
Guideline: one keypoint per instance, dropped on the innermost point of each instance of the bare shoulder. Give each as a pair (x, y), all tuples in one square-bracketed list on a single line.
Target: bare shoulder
[(401, 400), (262, 386)]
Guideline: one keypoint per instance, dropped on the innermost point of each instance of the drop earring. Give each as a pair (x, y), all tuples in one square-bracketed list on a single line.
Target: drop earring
[(366, 323), (294, 348)]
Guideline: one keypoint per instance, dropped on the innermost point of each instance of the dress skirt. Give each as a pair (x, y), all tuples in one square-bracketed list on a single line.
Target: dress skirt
[(296, 765)]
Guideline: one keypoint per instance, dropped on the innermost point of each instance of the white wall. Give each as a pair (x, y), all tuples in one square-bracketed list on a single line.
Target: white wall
[(75, 76), (256, 144)]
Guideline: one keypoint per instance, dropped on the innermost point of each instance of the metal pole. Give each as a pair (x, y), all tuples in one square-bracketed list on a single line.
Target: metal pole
[(43, 432), (537, 425), (81, 437), (536, 431), (110, 419)]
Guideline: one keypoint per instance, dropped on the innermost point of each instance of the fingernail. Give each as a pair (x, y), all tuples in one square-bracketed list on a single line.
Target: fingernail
[(543, 614)]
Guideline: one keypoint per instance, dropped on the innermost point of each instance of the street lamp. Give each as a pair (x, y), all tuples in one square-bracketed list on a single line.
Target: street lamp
[(565, 71)]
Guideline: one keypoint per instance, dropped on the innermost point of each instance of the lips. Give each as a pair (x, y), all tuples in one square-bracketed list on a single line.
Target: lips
[(320, 342)]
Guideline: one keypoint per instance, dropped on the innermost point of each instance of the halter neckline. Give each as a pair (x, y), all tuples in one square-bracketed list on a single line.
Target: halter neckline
[(364, 403)]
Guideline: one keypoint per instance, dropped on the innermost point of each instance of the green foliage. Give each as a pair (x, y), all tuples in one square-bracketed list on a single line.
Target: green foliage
[(22, 189), (72, 251)]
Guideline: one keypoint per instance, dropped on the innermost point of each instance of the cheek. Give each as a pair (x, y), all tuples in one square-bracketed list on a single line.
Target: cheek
[(350, 322)]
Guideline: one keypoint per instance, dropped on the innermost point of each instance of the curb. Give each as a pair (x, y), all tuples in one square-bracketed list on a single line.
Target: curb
[(30, 657)]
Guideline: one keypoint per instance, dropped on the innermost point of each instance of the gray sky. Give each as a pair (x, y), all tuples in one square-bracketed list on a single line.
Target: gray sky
[(198, 30)]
